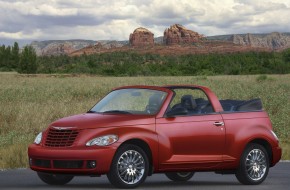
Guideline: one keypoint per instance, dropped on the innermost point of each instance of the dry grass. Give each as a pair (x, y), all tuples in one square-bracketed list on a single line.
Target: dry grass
[(29, 103)]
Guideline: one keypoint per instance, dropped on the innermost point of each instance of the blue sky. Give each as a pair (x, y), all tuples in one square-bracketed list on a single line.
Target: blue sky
[(29, 20)]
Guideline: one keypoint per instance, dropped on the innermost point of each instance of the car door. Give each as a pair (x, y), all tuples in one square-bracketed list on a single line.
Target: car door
[(192, 141)]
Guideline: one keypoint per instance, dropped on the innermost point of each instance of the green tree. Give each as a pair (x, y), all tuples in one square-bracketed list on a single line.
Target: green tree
[(7, 56), (286, 56), (15, 55), (2, 55), (27, 62)]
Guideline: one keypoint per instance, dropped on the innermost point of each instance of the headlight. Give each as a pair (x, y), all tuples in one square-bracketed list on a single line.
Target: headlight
[(38, 138), (274, 134), (103, 140)]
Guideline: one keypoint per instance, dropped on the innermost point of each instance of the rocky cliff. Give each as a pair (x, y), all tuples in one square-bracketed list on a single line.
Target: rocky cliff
[(65, 47), (141, 37), (274, 41), (59, 47), (178, 34)]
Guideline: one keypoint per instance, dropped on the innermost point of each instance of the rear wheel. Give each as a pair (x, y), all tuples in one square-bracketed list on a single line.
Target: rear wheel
[(254, 165), (54, 179), (129, 167), (179, 176)]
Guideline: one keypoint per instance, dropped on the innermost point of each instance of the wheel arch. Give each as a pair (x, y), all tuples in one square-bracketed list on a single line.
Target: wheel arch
[(266, 145), (145, 147)]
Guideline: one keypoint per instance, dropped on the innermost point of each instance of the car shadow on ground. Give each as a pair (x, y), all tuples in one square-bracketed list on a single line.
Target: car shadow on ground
[(146, 185)]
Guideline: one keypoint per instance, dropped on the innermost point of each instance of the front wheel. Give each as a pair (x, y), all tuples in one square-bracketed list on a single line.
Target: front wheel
[(179, 176), (254, 165), (129, 167), (54, 179)]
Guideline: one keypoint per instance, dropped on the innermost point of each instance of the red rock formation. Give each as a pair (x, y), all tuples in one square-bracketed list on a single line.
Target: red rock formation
[(141, 37), (178, 34)]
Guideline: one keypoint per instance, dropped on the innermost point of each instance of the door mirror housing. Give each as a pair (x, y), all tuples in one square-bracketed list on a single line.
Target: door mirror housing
[(177, 111)]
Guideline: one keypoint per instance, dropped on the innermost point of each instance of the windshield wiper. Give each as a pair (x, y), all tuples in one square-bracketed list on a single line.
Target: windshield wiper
[(117, 111)]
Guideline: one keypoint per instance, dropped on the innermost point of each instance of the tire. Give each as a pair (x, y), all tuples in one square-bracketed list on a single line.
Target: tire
[(254, 165), (54, 179), (129, 167), (179, 176)]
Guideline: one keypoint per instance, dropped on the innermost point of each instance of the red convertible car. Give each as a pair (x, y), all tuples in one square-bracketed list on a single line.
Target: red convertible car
[(136, 131)]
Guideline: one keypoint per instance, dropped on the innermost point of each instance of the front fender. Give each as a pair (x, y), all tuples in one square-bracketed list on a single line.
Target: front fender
[(145, 133)]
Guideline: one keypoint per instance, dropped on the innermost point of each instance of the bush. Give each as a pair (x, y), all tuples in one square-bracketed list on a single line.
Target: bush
[(261, 78)]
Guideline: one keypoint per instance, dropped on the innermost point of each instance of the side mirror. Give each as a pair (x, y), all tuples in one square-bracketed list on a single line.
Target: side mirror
[(177, 111)]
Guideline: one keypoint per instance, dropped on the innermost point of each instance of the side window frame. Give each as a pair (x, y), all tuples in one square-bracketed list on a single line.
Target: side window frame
[(169, 108)]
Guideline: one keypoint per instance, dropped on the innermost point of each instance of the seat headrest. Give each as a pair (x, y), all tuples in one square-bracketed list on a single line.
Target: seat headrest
[(188, 102)]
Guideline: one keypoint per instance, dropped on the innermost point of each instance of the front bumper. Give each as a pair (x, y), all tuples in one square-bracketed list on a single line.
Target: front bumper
[(77, 161)]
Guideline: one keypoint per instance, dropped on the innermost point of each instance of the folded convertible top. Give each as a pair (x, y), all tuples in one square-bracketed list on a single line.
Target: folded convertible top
[(242, 105)]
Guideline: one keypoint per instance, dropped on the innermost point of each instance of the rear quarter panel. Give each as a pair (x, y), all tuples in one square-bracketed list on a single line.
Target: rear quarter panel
[(242, 128)]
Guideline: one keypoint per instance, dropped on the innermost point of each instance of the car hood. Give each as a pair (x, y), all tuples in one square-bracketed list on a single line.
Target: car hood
[(95, 120)]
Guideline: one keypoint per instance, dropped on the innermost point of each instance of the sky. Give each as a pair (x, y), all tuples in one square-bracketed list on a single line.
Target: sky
[(36, 20)]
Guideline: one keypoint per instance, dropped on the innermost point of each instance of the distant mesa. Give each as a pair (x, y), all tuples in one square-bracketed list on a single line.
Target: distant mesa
[(169, 44), (141, 37), (178, 34), (59, 47), (274, 40)]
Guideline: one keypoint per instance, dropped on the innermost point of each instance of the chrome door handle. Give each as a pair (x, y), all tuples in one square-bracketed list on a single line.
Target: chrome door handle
[(218, 123)]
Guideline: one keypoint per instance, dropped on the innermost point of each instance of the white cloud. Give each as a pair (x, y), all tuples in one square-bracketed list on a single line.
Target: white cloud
[(38, 7), (116, 19), (45, 9)]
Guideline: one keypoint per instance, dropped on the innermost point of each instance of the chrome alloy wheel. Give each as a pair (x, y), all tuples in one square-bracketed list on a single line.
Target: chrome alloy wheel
[(131, 167), (256, 165)]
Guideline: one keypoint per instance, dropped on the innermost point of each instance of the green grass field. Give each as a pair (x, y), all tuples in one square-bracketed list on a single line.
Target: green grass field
[(28, 103)]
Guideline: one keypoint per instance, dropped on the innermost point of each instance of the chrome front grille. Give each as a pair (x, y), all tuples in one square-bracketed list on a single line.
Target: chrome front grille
[(61, 137)]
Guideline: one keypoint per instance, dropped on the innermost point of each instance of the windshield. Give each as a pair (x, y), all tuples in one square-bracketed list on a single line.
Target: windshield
[(131, 101)]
